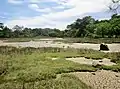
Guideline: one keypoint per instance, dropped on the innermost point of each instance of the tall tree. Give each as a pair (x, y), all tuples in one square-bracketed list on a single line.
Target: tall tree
[(17, 27), (115, 22), (7, 33), (103, 29), (1, 25), (80, 26)]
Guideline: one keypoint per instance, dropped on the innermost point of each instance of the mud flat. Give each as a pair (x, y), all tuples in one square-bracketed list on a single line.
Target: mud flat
[(101, 79), (50, 43), (83, 60)]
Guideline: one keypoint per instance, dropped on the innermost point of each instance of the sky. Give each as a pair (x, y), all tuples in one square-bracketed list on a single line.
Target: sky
[(50, 13)]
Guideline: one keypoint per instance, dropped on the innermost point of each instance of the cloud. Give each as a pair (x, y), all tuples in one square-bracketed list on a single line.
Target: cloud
[(60, 19), (15, 1), (34, 6), (37, 8), (34, 1)]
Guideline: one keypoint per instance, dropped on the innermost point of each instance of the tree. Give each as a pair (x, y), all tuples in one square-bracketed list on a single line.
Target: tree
[(115, 6), (80, 26), (7, 33), (90, 30), (17, 27), (115, 22), (18, 31), (84, 27), (1, 28), (103, 29), (1, 25), (27, 32)]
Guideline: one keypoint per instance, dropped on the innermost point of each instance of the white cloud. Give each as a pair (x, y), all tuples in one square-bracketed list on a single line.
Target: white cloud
[(37, 8), (59, 19), (33, 6), (15, 1), (59, 7), (34, 1)]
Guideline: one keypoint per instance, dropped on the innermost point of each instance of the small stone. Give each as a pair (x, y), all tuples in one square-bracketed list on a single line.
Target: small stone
[(100, 61), (116, 75), (118, 81), (93, 74)]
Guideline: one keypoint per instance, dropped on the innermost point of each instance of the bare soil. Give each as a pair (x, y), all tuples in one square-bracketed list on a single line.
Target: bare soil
[(51, 43), (83, 60), (101, 79)]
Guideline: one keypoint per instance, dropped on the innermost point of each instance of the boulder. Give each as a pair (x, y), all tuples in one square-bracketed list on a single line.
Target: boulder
[(104, 47)]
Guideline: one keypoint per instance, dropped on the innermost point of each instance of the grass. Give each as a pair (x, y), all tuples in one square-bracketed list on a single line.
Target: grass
[(21, 67), (64, 82), (17, 39), (92, 40), (33, 68), (21, 39), (115, 57), (55, 52), (115, 68), (68, 40)]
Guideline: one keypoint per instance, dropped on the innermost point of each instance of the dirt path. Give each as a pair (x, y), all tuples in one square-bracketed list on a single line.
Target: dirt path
[(100, 79)]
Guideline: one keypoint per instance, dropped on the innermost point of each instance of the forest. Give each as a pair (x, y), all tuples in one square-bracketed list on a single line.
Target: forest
[(82, 27)]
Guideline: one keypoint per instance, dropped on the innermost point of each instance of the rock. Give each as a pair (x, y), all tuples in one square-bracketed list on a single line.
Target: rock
[(54, 59), (93, 74), (100, 61), (116, 75), (95, 64), (104, 47)]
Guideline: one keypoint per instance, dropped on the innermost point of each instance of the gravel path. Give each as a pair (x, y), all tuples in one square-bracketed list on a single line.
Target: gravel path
[(100, 79)]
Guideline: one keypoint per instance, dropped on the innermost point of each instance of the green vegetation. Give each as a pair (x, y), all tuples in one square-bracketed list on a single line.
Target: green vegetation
[(115, 68), (67, 40), (25, 68), (64, 82), (115, 57), (89, 27), (35, 68), (82, 27), (91, 40)]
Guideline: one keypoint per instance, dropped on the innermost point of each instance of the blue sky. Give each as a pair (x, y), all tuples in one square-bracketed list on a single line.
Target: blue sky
[(50, 13)]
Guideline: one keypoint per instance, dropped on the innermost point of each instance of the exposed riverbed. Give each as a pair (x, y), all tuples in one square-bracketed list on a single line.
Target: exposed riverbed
[(51, 43)]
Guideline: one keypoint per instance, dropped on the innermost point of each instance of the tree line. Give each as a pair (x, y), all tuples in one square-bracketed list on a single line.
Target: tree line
[(89, 27), (20, 31), (85, 27)]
